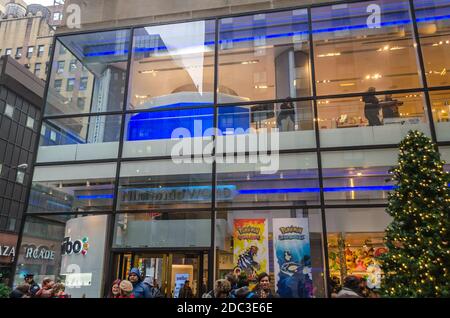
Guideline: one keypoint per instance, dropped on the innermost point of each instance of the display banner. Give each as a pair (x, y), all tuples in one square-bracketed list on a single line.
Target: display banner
[(251, 252), (292, 252)]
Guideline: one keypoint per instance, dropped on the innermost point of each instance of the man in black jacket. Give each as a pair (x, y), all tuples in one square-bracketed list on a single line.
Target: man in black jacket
[(372, 108), (34, 288)]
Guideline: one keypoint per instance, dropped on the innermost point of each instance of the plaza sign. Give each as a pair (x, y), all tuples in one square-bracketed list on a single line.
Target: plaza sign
[(7, 251), (39, 252)]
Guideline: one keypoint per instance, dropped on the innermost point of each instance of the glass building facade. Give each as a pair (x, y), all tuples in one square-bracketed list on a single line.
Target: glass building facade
[(115, 185)]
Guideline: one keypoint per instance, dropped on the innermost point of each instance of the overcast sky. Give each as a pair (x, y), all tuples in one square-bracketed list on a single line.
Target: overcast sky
[(44, 2)]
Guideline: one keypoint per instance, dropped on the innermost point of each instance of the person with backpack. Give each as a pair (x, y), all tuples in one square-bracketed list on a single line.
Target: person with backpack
[(243, 290)]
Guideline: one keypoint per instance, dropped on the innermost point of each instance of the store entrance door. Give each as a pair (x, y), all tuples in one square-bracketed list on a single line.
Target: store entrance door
[(167, 271)]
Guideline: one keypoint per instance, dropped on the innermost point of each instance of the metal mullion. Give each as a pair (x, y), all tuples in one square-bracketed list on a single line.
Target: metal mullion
[(64, 116), (422, 70), (319, 157), (212, 249), (361, 94), (156, 110), (36, 148), (269, 101), (109, 254)]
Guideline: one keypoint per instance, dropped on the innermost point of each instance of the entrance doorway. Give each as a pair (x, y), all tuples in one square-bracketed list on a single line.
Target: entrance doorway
[(167, 270)]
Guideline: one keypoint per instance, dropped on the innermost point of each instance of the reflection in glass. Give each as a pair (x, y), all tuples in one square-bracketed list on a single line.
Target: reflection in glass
[(167, 184), (352, 55), (92, 66), (358, 176), (173, 65), (293, 181), (79, 138), (440, 101), (69, 249), (433, 22), (264, 56), (371, 119), (158, 230), (72, 188)]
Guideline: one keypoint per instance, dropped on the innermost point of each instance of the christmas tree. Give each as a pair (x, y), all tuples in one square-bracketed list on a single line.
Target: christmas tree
[(417, 263)]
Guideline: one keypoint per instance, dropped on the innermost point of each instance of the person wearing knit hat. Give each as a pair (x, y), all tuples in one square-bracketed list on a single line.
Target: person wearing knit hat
[(126, 289), (222, 288)]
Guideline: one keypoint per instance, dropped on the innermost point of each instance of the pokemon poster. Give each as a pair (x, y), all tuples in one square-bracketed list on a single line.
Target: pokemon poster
[(251, 253), (292, 257)]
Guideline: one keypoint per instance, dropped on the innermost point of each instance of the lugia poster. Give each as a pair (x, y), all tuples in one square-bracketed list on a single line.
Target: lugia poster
[(251, 253), (292, 256)]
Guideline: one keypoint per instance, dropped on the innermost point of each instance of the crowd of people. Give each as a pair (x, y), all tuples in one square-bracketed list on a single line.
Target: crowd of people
[(30, 289), (353, 287)]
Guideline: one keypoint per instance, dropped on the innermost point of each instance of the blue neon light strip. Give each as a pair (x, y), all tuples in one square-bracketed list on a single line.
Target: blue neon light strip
[(273, 36), (258, 191)]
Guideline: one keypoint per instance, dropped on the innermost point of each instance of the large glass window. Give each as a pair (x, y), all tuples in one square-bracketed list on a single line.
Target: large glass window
[(293, 123), (173, 65), (355, 239), (440, 101), (171, 132), (362, 45), (104, 57), (267, 180), (162, 230), (358, 176), (264, 57), (433, 21), (79, 138), (286, 244), (371, 119), (158, 184), (73, 188), (68, 249)]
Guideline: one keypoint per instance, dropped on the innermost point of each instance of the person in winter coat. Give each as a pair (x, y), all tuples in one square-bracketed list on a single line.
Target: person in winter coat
[(263, 288), (34, 287), (126, 289), (243, 290), (115, 289), (140, 290), (59, 291), (21, 291), (154, 291), (351, 288), (46, 290), (222, 288), (186, 291)]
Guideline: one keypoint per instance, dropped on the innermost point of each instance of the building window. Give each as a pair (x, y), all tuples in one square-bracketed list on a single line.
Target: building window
[(73, 65), (30, 122), (37, 69), (62, 50), (30, 52), (20, 177), (41, 49), (8, 52), (19, 52), (58, 85), (57, 16), (60, 67), (81, 102), (70, 84), (9, 110), (83, 83)]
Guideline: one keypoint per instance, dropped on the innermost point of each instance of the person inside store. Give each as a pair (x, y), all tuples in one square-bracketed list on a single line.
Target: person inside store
[(115, 289), (46, 290), (140, 290), (372, 107), (390, 107), (263, 289), (34, 287), (351, 289), (286, 117), (186, 290)]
